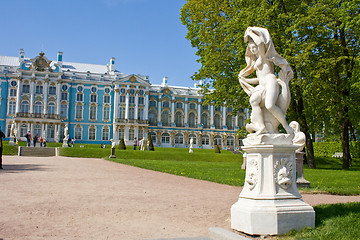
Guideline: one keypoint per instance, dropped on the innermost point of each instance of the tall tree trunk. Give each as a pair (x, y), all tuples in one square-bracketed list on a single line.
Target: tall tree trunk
[(345, 140)]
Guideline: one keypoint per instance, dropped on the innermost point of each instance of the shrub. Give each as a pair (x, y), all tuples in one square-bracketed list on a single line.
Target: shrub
[(122, 145), (217, 149), (151, 145), (327, 149)]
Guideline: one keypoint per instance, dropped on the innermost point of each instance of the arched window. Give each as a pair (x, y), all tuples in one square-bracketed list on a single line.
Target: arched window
[(92, 112), (79, 111), (179, 119), (50, 131), (38, 108), (192, 120), (92, 133), (78, 132), (217, 121), (205, 140), (24, 106), (105, 133), (230, 141), (12, 107), (37, 130), (51, 108), (179, 139), (106, 113), (165, 138), (204, 120), (165, 118), (23, 129), (152, 118), (217, 140), (229, 122), (121, 133), (193, 136)]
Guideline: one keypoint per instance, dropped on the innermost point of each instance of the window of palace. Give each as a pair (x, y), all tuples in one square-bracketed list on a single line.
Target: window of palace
[(192, 120), (205, 140), (12, 107), (179, 105), (23, 129), (141, 100), (131, 134), (217, 121), (179, 119), (92, 115), (229, 109), (79, 111), (122, 113), (78, 133), (165, 138), (122, 90), (52, 90), (217, 108), (229, 122), (37, 130), (26, 88), (93, 98), (64, 87), (230, 141), (105, 133), (205, 107), (93, 89), (107, 90), (39, 89), (122, 98), (38, 107), (165, 118), (106, 113), (12, 92), (64, 96), (131, 113), (51, 108), (179, 139), (166, 104), (204, 120), (152, 103), (50, 131), (152, 118), (107, 99), (79, 97), (92, 133), (241, 121), (153, 137), (131, 99), (192, 106), (140, 134), (121, 133), (217, 140), (141, 114), (63, 110), (193, 136), (24, 106)]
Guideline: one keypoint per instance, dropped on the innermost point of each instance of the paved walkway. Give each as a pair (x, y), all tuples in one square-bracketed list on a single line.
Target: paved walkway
[(76, 198)]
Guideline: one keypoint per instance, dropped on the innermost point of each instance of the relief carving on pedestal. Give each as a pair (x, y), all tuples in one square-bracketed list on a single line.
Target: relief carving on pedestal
[(283, 172), (252, 173)]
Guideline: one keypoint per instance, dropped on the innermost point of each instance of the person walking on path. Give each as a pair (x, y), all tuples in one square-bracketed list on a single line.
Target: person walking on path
[(2, 135), (35, 140), (28, 138), (135, 143)]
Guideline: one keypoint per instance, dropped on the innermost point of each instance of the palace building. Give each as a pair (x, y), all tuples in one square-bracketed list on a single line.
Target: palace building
[(98, 103)]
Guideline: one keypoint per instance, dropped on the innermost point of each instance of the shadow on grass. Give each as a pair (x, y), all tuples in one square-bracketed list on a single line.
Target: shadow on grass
[(16, 168), (326, 211)]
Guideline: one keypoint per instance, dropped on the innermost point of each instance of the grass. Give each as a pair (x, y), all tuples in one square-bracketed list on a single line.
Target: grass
[(222, 168), (333, 222)]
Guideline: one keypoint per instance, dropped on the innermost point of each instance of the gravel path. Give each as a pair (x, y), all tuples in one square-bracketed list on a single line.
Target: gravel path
[(77, 198)]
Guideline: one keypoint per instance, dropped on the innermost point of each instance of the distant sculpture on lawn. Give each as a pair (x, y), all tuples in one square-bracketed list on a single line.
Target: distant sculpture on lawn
[(191, 145), (270, 99), (66, 132), (12, 129)]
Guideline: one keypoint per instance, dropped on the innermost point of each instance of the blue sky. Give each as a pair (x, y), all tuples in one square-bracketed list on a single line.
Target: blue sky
[(145, 36)]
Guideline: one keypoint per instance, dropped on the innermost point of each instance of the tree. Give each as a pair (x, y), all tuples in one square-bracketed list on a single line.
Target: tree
[(122, 145), (151, 145), (216, 29)]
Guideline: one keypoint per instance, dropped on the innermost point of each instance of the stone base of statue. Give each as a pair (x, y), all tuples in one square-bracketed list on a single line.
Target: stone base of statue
[(191, 150), (112, 153), (270, 203), (300, 181), (65, 143), (12, 141)]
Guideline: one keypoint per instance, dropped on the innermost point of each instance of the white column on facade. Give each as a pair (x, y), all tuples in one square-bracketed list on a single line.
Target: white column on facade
[(172, 109), (57, 133), (146, 110), (199, 111), (136, 114), (159, 110), (58, 98), (211, 114), (32, 94), (44, 132), (18, 94), (186, 111), (236, 120), (46, 86), (116, 105), (224, 116), (127, 105), (31, 127)]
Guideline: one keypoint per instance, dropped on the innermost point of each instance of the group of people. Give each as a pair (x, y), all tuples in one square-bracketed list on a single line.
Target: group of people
[(34, 139), (142, 142)]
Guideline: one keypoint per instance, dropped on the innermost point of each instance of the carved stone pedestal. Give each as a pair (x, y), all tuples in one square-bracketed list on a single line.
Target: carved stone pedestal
[(12, 141), (112, 153), (270, 203), (65, 143)]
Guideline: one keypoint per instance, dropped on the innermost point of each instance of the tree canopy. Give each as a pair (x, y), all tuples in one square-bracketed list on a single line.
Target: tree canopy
[(320, 40)]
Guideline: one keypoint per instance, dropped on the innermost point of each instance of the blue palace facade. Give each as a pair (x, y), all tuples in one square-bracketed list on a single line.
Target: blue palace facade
[(98, 103)]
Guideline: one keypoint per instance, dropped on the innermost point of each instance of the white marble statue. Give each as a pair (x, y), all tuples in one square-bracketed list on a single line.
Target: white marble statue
[(13, 129), (271, 97), (113, 143), (191, 145), (66, 132)]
